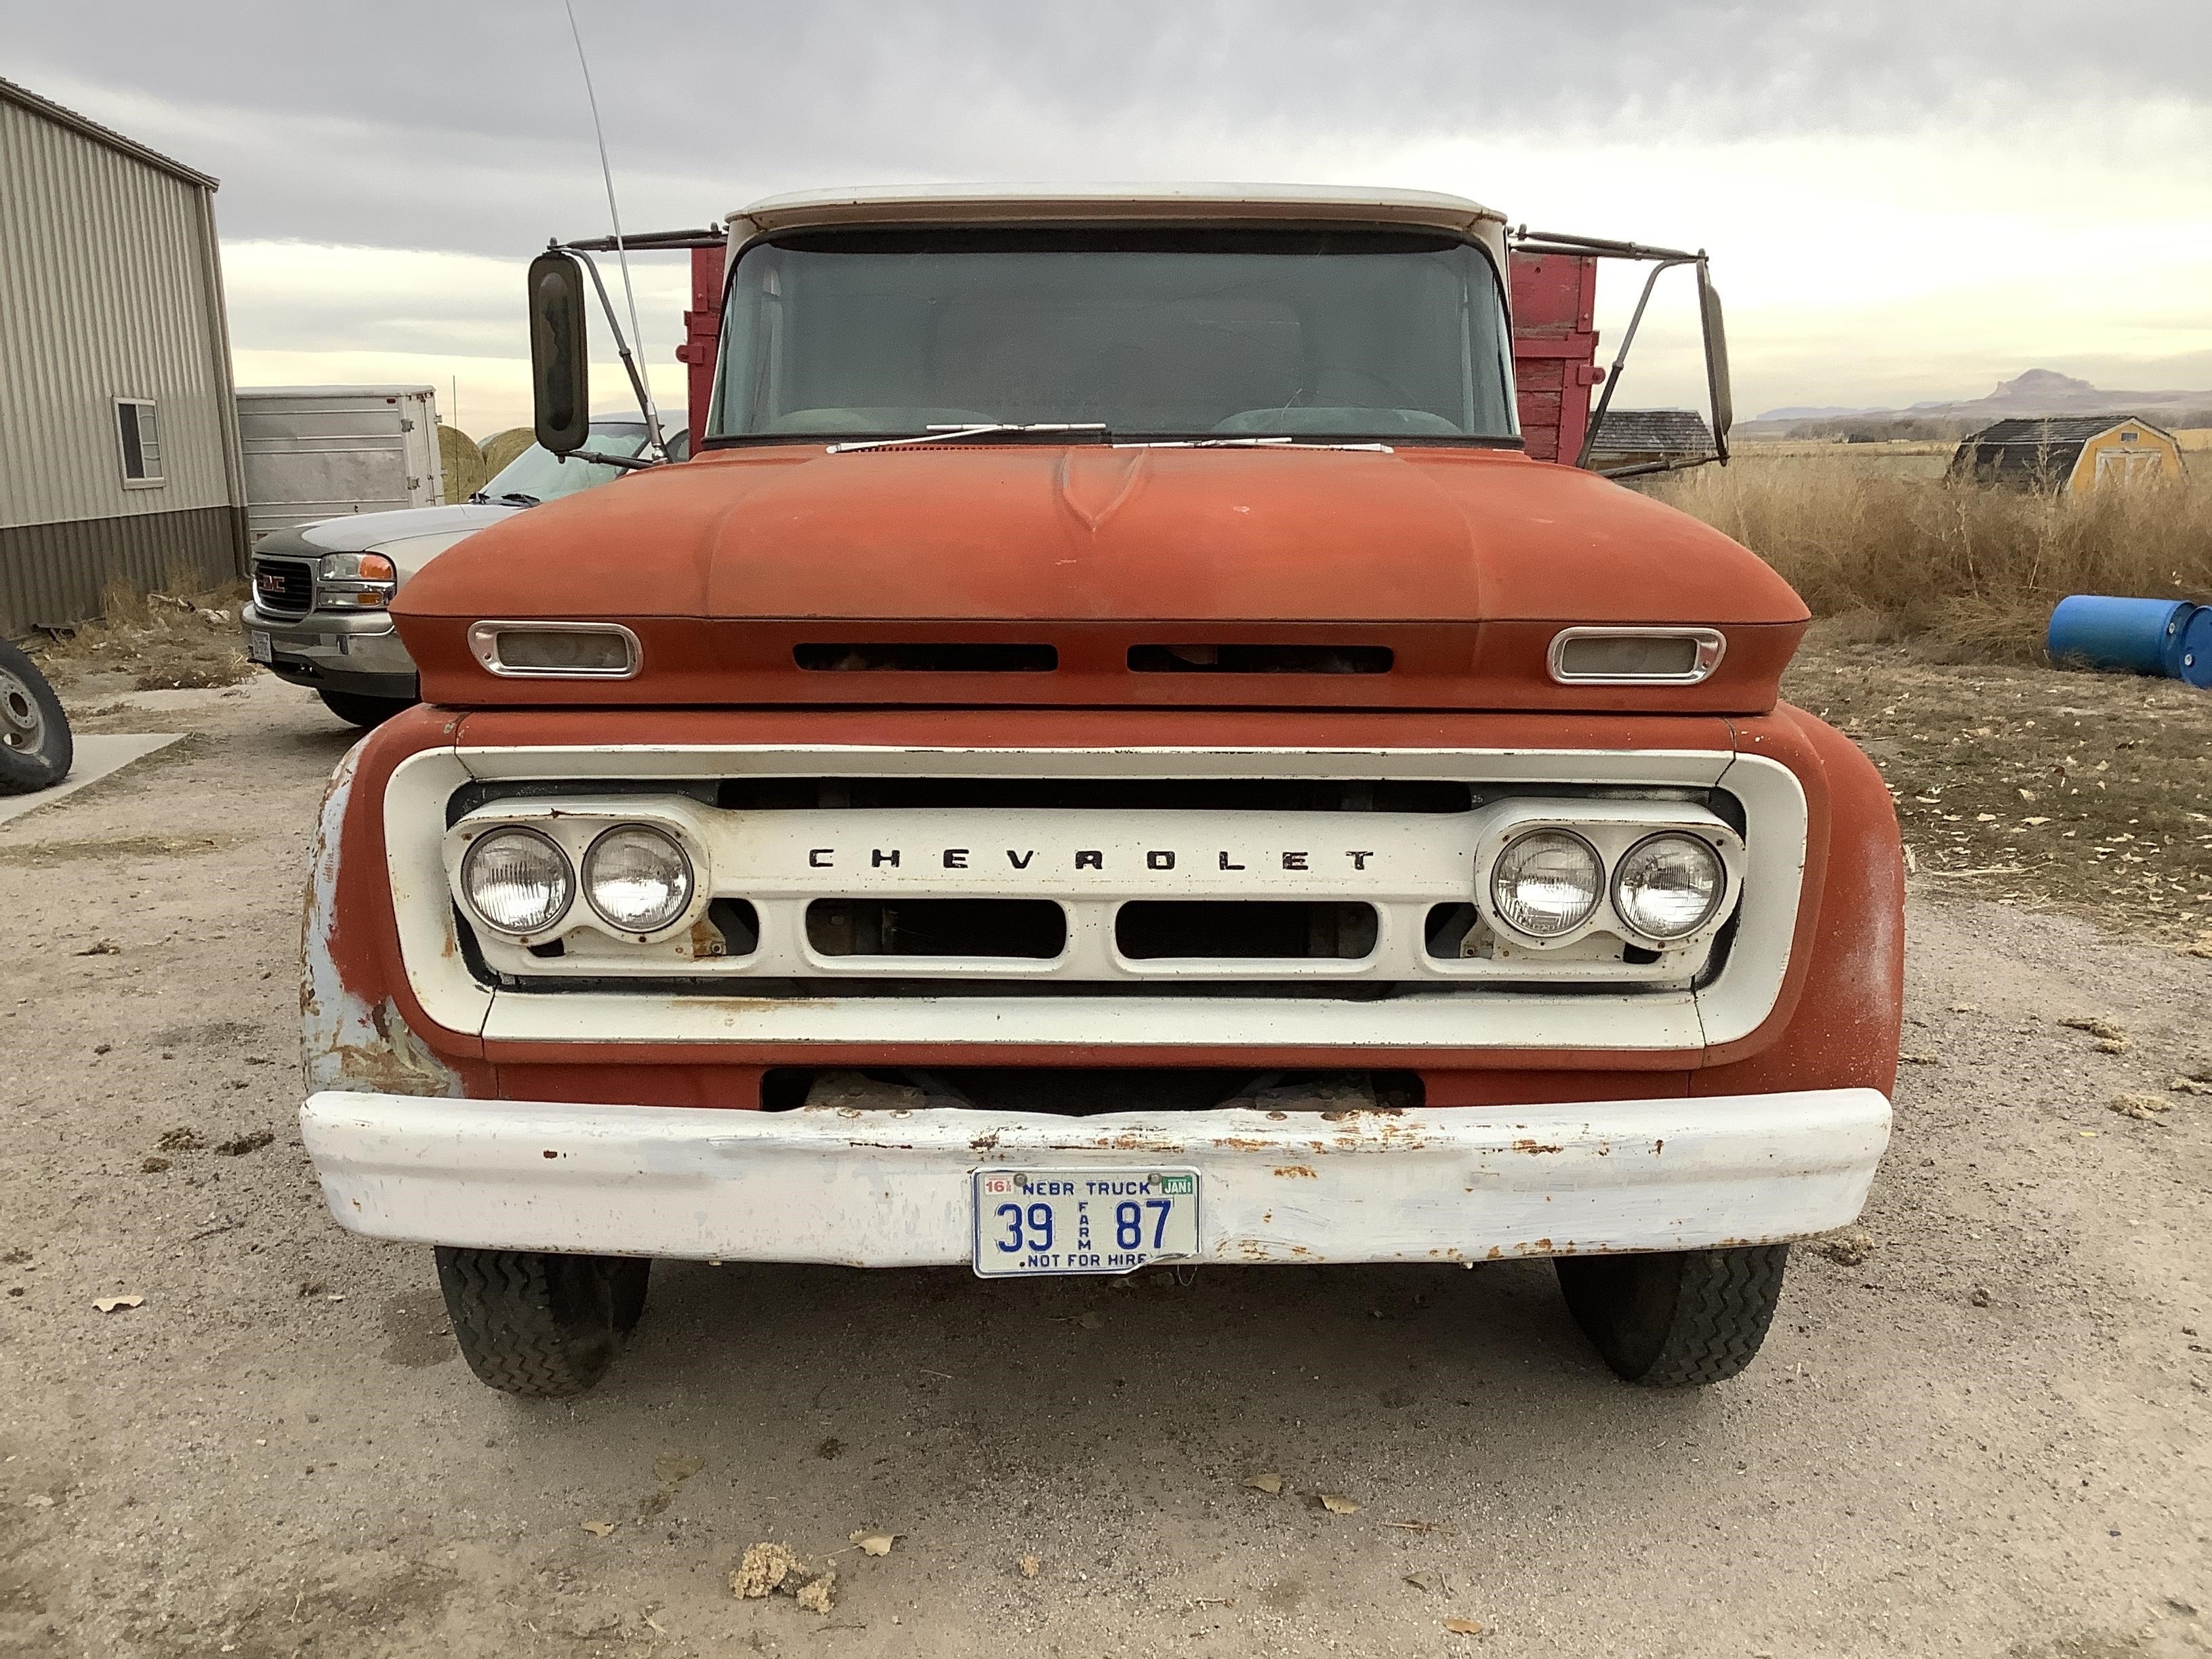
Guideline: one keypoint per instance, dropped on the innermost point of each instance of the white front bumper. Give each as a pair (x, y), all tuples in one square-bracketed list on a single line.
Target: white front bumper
[(892, 1188)]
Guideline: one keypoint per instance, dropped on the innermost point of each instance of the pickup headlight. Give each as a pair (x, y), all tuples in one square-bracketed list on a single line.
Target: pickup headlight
[(1666, 885), (1547, 883), (637, 878), (356, 581), (517, 881)]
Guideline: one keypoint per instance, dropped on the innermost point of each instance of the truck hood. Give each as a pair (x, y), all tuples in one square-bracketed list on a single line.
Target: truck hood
[(1027, 541), (409, 536), (368, 532), (1028, 533)]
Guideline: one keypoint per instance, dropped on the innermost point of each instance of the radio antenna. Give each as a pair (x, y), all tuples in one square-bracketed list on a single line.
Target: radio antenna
[(622, 253)]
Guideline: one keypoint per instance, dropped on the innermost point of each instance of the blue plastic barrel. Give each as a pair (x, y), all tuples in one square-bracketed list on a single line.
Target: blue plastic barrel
[(2172, 638), (2196, 664)]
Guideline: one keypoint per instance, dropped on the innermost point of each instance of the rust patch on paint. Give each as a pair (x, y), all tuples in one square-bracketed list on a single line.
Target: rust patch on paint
[(1296, 1172), (984, 1143), (1535, 1146), (1243, 1144)]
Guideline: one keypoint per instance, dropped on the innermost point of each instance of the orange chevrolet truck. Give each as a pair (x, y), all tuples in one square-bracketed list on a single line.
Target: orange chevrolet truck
[(1130, 741)]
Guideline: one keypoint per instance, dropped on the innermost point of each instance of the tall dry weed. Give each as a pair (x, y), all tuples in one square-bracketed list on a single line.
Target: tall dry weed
[(1970, 570), (161, 641)]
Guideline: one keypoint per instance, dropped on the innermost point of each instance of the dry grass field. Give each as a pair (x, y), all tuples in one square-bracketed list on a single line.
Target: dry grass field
[(1967, 574)]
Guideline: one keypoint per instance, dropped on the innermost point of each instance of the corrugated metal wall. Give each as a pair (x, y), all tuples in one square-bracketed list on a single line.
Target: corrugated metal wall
[(54, 574), (109, 288)]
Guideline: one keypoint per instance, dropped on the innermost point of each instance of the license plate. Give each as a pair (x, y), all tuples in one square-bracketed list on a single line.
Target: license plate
[(257, 646), (1030, 1223)]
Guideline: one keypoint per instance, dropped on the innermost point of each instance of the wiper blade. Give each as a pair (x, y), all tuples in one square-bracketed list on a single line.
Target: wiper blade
[(510, 495), (989, 429), (1367, 448)]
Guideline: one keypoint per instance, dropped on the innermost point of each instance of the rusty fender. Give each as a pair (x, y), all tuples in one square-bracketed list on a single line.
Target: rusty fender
[(349, 1040), (893, 1189)]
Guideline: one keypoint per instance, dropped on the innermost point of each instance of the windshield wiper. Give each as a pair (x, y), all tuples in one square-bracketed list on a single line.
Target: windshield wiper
[(504, 495), (989, 429), (1368, 447)]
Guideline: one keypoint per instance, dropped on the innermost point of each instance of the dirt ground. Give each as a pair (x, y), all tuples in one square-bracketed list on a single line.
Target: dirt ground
[(1984, 1433)]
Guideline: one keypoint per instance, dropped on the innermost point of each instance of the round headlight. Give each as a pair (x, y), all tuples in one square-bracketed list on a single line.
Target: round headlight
[(1547, 883), (517, 881), (638, 879), (1668, 886)]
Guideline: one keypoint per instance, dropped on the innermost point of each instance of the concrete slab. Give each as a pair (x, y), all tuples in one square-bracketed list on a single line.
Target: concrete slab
[(97, 758)]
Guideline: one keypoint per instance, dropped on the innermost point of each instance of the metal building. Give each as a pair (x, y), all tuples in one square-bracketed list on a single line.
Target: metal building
[(119, 436)]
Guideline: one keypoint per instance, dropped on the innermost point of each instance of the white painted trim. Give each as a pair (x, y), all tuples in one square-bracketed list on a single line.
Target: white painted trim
[(1659, 1019), (892, 1189)]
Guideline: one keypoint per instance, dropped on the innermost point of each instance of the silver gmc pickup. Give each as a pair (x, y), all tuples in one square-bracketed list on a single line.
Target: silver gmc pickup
[(318, 615)]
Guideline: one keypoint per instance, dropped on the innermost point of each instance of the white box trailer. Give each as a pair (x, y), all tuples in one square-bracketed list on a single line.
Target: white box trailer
[(323, 452)]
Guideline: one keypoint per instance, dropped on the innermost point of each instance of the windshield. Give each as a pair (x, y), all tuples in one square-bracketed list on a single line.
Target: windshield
[(538, 475), (1165, 333)]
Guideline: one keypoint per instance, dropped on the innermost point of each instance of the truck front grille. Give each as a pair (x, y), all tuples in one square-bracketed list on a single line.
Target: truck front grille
[(1197, 899), (283, 587)]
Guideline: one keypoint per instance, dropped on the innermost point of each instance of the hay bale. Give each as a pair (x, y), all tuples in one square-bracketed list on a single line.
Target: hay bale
[(465, 470), (503, 446)]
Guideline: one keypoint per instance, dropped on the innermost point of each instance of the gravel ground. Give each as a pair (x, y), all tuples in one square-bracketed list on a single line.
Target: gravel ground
[(1980, 1429)]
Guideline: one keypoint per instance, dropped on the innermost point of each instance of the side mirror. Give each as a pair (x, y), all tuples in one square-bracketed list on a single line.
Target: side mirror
[(560, 355), (1716, 361)]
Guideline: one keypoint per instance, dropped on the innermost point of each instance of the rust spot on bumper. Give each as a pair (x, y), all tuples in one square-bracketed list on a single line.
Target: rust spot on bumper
[(1296, 1172)]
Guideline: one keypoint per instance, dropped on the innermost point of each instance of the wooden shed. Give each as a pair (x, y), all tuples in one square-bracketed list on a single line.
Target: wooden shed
[(1646, 437), (2073, 453)]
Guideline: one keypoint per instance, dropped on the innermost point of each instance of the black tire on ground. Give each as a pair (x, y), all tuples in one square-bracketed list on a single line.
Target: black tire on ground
[(1677, 1320), (539, 1325), (361, 711), (35, 747)]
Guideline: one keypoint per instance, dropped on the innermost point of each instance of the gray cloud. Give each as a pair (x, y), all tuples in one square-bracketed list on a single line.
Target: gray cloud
[(463, 127)]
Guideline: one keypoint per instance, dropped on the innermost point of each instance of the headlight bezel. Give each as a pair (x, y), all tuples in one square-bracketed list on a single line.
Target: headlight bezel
[(1613, 828), (476, 849), (574, 823)]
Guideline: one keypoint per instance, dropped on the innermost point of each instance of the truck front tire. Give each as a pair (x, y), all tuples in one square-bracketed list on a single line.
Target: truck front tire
[(1676, 1319), (358, 710), (539, 1325)]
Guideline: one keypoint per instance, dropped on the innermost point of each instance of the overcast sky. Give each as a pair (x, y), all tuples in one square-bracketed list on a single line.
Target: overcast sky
[(1903, 201)]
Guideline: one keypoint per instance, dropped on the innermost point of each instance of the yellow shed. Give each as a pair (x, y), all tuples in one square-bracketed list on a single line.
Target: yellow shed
[(2073, 453)]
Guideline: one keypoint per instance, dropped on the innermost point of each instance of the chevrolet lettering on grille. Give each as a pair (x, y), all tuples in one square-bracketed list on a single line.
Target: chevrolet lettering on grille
[(1093, 858)]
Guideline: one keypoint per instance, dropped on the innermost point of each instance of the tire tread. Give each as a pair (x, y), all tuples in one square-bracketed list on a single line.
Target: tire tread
[(1725, 1304), (502, 1306)]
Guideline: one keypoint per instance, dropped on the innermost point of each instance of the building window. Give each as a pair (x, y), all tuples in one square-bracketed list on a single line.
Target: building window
[(138, 431)]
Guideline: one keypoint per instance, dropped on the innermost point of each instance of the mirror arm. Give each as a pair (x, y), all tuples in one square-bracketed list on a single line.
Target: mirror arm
[(1627, 339), (626, 463), (628, 363)]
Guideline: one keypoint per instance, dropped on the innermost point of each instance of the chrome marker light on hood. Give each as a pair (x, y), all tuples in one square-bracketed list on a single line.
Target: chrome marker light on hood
[(556, 650), (1636, 656)]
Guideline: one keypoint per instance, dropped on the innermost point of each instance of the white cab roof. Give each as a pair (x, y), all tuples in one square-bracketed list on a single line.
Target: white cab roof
[(970, 204)]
